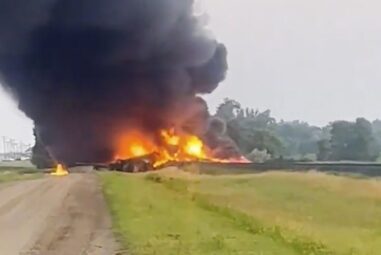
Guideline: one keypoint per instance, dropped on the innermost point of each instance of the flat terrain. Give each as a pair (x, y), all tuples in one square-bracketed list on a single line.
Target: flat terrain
[(21, 163), (274, 213), (18, 173), (54, 216)]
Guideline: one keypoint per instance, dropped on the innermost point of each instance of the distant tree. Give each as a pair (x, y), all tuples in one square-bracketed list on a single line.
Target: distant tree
[(259, 120), (299, 138), (257, 131), (366, 142), (324, 150), (249, 128), (259, 156), (268, 141), (376, 125), (228, 110), (342, 140), (353, 141)]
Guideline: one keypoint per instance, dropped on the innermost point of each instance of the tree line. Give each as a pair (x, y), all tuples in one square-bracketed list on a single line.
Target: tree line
[(261, 137)]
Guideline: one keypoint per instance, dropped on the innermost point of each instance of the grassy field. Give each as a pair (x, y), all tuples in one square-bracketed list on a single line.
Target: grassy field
[(174, 212), (20, 164), (8, 173)]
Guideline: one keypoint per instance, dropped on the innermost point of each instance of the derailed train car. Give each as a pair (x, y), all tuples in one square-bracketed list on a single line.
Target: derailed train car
[(134, 165)]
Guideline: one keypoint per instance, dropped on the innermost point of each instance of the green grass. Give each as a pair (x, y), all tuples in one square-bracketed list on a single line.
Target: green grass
[(20, 163), (174, 212), (18, 173)]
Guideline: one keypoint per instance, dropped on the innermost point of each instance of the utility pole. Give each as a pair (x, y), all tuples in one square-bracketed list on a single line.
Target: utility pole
[(10, 148), (4, 147), (13, 147)]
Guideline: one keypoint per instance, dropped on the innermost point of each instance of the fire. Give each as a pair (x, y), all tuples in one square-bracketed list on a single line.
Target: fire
[(137, 150), (170, 137), (60, 171), (169, 146), (195, 147), (134, 144)]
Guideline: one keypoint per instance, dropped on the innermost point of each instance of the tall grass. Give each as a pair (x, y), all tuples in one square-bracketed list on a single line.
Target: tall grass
[(173, 212)]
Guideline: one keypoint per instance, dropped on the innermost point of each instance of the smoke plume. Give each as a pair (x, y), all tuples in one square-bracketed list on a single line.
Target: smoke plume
[(84, 70)]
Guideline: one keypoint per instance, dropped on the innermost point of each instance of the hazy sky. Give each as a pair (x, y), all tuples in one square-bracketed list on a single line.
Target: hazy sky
[(13, 123), (316, 60)]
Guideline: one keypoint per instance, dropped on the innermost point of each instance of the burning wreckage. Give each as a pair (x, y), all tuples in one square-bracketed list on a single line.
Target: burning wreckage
[(115, 81), (142, 156), (136, 153)]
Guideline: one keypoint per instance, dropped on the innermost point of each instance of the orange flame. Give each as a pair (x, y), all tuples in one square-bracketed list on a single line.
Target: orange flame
[(60, 171), (195, 147), (170, 137), (133, 144), (172, 147)]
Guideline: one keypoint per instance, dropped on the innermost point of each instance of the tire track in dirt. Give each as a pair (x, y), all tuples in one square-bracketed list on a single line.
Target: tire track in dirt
[(55, 216)]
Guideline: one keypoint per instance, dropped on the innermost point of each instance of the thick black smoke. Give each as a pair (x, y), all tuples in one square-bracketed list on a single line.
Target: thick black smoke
[(83, 70)]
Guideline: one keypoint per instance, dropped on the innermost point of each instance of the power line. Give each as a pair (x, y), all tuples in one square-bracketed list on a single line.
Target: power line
[(13, 149)]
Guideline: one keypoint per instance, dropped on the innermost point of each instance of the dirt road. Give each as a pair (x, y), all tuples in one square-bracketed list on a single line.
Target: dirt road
[(55, 216)]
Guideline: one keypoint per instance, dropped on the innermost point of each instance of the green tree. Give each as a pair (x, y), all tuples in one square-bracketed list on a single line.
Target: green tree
[(249, 128), (299, 138), (228, 110), (376, 126), (365, 141), (324, 149), (268, 141), (353, 141)]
